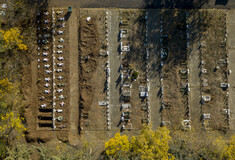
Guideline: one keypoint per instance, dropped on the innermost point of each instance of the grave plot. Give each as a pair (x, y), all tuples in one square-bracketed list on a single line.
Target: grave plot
[(214, 70), (134, 88), (45, 69), (174, 71), (93, 66), (53, 60), (61, 68)]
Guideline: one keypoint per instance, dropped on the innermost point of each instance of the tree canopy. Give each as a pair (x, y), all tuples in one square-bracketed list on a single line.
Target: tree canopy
[(148, 145), (118, 145), (13, 38), (152, 144)]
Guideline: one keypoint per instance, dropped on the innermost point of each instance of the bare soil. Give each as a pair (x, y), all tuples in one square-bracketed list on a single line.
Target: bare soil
[(65, 70), (92, 73), (136, 58), (212, 52), (176, 101), (34, 113)]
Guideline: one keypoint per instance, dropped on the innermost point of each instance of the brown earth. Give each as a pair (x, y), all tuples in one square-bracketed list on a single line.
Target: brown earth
[(136, 57), (35, 76), (211, 54), (174, 24), (92, 74)]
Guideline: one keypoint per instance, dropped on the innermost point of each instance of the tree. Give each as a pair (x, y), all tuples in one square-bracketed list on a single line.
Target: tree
[(45, 153), (18, 152), (229, 150), (5, 87), (215, 143), (117, 146), (82, 151), (63, 151), (12, 38), (135, 75), (9, 96), (147, 145), (3, 148), (196, 144), (151, 144), (10, 121)]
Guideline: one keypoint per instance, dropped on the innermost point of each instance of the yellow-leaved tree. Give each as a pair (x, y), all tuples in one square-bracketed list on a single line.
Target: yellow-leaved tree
[(152, 144), (149, 145), (199, 144), (13, 38), (229, 150), (118, 146), (5, 87), (8, 119), (8, 95)]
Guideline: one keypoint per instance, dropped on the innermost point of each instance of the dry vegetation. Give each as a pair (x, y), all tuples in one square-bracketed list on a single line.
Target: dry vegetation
[(175, 97), (137, 60), (214, 54), (92, 78)]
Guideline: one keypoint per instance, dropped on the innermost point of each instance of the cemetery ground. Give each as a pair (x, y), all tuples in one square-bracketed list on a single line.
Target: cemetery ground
[(133, 67)]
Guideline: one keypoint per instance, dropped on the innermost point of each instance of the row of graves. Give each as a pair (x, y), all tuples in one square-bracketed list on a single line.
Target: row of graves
[(174, 72), (125, 72), (144, 88), (106, 53), (52, 70), (214, 73), (134, 79)]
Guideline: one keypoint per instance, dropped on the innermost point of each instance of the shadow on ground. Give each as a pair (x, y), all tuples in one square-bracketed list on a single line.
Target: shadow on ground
[(221, 2), (186, 4)]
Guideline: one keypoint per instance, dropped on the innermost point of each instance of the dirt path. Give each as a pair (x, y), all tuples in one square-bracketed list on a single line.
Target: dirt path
[(194, 80), (73, 50), (154, 77), (32, 113), (114, 65), (222, 4), (231, 57), (98, 3)]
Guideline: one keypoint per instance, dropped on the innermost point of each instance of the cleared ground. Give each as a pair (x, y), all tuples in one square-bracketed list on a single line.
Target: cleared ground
[(175, 97), (140, 4), (115, 62), (213, 54), (154, 25), (92, 70), (231, 56), (193, 65), (86, 72), (74, 89)]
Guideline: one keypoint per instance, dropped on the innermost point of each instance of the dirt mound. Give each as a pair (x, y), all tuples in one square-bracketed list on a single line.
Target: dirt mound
[(43, 138)]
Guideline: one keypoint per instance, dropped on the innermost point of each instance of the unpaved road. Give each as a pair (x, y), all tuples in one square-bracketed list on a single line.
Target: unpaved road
[(194, 79), (74, 94), (231, 57), (157, 4), (154, 77), (115, 62)]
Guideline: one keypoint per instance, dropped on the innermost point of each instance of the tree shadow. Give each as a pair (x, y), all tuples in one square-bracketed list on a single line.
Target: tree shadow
[(221, 2), (183, 4), (67, 15)]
